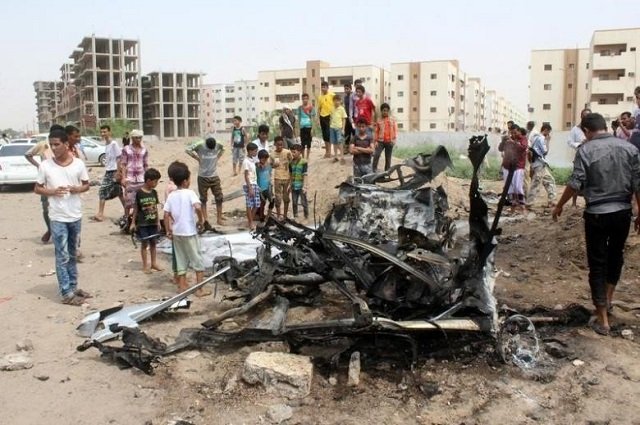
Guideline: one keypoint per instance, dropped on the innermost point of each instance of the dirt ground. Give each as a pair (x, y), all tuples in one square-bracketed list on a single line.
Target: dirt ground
[(538, 262)]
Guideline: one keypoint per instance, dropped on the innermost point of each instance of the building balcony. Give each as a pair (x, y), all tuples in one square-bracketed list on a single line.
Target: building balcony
[(607, 86), (624, 60)]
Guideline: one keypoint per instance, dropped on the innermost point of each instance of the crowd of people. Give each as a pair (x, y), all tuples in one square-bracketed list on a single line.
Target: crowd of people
[(606, 173)]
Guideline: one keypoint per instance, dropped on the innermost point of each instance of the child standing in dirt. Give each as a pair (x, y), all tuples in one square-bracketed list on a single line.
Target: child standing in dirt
[(146, 220), (182, 229), (170, 187), (298, 168), (238, 138), (336, 128), (250, 186), (362, 147), (263, 171)]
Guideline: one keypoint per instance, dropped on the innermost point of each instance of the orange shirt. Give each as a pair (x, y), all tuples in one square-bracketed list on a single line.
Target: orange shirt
[(386, 130)]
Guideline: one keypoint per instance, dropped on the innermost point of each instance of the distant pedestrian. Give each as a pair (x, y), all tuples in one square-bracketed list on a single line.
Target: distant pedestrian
[(325, 106), (125, 139), (575, 140), (306, 117), (4, 139), (182, 228), (540, 173), (263, 173), (207, 153), (250, 184), (514, 149), (146, 220), (280, 159), (362, 148), (607, 171), (349, 103), (134, 161), (624, 129), (299, 170), (62, 179), (336, 130), (238, 140), (287, 123), (42, 150), (386, 133), (635, 135), (110, 187)]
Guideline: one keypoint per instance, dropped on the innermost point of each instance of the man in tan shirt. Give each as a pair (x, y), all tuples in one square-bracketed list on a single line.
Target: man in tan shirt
[(42, 150)]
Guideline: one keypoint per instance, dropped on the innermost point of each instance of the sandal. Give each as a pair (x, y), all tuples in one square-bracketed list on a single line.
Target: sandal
[(599, 328), (73, 300), (96, 219), (82, 293)]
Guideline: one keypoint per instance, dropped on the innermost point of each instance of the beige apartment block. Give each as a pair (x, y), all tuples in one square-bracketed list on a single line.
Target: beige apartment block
[(172, 104), (601, 77), (284, 88), (474, 109), (106, 76), (221, 102), (47, 98), (428, 96)]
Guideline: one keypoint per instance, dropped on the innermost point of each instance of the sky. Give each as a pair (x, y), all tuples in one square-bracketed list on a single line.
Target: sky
[(233, 40)]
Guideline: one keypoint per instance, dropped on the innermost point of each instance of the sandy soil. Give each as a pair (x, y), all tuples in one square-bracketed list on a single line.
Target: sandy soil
[(539, 263)]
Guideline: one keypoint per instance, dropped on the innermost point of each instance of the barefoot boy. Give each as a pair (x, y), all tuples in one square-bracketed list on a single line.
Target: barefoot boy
[(250, 186), (182, 229), (146, 220)]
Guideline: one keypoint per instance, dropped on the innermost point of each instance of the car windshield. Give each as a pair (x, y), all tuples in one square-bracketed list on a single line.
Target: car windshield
[(14, 150)]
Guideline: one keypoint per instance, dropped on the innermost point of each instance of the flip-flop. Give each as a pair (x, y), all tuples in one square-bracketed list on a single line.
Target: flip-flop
[(82, 293), (96, 219)]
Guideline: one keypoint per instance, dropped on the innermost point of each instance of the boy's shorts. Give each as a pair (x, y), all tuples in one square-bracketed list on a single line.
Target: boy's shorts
[(237, 155), (252, 201), (213, 183), (147, 233), (305, 137), (335, 135), (109, 188), (281, 189), (187, 254)]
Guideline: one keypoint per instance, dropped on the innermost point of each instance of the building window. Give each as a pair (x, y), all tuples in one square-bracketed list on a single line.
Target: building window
[(568, 106), (400, 77), (572, 65), (400, 94), (567, 125), (433, 109), (631, 74), (587, 65), (547, 86), (546, 107), (547, 67), (266, 84), (570, 86), (415, 109), (266, 99), (632, 49), (400, 110), (433, 93), (313, 73), (400, 126), (432, 125), (434, 76), (415, 76), (415, 93), (586, 86)]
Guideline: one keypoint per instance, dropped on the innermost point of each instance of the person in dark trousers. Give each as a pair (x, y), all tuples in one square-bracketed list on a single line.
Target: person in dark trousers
[(126, 140), (607, 171), (349, 104)]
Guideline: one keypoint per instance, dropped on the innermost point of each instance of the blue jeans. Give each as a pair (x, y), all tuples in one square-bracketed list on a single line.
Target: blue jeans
[(65, 241)]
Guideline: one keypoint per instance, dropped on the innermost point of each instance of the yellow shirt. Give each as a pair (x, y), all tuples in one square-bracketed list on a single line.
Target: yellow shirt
[(41, 149), (337, 115), (325, 104)]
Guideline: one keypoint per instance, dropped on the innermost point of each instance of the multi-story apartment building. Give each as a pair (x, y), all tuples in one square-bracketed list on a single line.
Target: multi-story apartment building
[(172, 104), (474, 107), (601, 77), (106, 80), (67, 110), (221, 102), (47, 98), (284, 88)]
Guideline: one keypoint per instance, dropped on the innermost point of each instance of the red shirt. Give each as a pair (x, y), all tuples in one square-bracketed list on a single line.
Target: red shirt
[(364, 109)]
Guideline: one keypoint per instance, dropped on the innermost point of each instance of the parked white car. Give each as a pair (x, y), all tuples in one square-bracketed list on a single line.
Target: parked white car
[(93, 150), (31, 140), (14, 167)]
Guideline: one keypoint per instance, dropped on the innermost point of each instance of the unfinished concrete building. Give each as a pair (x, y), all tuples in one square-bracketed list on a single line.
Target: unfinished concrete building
[(67, 109), (47, 98), (106, 76), (172, 104)]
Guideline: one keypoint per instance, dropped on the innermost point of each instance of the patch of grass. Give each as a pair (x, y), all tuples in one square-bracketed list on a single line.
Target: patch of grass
[(462, 168)]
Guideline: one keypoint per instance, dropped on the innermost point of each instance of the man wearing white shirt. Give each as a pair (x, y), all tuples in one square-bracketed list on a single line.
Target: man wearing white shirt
[(576, 135), (262, 142), (62, 179), (110, 187)]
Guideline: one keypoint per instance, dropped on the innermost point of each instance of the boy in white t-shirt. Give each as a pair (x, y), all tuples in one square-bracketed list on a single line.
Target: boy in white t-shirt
[(62, 179), (250, 186), (182, 229)]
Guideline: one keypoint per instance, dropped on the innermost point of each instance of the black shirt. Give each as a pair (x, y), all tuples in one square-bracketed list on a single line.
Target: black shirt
[(147, 206)]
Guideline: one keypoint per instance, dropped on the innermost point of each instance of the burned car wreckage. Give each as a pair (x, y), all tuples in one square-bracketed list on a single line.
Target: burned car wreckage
[(387, 255)]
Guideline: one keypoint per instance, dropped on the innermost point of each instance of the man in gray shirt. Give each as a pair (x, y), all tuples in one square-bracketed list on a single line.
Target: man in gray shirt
[(207, 152), (607, 171)]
